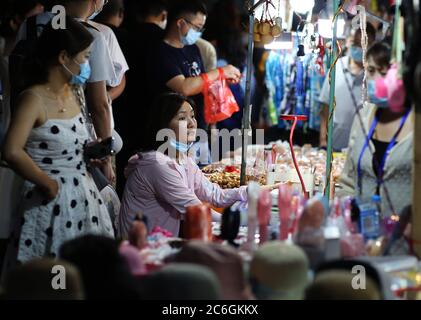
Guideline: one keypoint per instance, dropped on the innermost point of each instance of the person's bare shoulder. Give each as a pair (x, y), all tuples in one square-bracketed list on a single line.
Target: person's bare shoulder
[(31, 102)]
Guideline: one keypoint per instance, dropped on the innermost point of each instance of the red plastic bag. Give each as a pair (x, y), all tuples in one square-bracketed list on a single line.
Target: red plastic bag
[(220, 103)]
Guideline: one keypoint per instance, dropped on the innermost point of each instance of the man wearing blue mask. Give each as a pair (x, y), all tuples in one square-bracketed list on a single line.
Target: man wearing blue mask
[(348, 92), (178, 64)]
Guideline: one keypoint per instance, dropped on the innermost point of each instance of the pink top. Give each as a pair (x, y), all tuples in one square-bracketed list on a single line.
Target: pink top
[(162, 189)]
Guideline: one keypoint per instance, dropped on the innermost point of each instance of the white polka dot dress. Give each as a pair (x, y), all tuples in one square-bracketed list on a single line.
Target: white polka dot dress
[(57, 148)]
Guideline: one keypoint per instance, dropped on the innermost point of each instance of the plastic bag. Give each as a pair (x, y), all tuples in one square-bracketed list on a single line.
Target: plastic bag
[(219, 101)]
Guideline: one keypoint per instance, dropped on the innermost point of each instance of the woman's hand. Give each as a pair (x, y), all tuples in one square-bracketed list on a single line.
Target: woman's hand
[(232, 74), (51, 189), (107, 170), (99, 163), (271, 187)]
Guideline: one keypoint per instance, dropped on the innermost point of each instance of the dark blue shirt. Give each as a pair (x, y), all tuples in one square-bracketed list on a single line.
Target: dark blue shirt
[(172, 62)]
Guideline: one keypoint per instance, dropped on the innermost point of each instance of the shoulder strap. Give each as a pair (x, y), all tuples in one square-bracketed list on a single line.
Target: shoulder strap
[(80, 97)]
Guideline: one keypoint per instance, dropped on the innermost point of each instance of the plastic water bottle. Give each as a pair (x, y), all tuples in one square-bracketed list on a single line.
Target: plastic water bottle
[(370, 218)]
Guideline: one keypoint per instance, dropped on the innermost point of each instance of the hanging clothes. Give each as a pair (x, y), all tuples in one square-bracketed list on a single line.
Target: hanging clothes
[(275, 84), (315, 84), (294, 85)]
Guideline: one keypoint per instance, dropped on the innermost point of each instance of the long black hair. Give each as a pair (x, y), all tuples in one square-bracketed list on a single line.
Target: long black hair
[(163, 110), (73, 39)]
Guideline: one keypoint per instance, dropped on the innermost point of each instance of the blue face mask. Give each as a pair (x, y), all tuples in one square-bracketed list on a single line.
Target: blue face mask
[(191, 37), (356, 54), (83, 76), (179, 146), (381, 103)]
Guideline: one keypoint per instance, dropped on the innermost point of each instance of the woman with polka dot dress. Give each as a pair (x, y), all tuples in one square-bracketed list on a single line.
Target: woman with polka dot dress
[(45, 146)]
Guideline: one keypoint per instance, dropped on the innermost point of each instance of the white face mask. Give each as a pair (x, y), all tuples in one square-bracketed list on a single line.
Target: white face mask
[(163, 24), (180, 146)]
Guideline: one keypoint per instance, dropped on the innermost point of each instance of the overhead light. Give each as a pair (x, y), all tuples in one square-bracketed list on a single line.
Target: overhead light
[(284, 42), (277, 9), (279, 45), (325, 23), (325, 28), (302, 6)]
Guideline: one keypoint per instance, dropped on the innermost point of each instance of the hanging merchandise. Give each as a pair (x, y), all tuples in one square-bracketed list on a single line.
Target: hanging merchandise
[(313, 90), (364, 45), (351, 6), (268, 28), (300, 86), (275, 83), (310, 38), (294, 84), (320, 61)]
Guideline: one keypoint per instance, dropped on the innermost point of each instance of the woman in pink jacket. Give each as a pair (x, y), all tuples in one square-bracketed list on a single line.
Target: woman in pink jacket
[(162, 180)]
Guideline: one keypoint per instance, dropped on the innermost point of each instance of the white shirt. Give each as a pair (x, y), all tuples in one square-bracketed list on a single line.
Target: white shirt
[(208, 53), (100, 60), (117, 57), (345, 108)]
